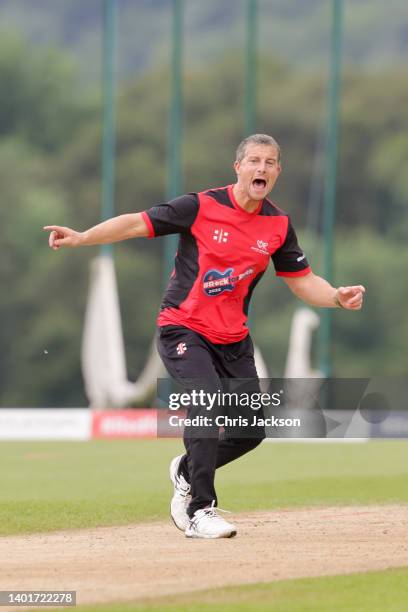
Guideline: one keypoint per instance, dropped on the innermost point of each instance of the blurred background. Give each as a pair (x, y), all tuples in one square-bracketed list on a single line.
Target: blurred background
[(51, 126)]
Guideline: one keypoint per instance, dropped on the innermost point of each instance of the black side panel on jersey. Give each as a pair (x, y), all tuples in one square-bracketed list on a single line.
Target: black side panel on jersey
[(290, 257), (174, 217), (184, 274), (221, 196), (251, 290)]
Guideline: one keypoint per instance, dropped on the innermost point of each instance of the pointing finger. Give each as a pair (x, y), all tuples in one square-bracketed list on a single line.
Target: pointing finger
[(57, 228)]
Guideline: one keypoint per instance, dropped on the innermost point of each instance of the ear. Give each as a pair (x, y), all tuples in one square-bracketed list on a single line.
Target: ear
[(237, 166)]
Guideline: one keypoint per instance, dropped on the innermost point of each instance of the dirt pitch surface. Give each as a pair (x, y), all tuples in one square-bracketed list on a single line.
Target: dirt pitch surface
[(153, 559)]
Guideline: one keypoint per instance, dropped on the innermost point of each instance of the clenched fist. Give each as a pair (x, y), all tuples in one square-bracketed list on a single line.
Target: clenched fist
[(350, 298)]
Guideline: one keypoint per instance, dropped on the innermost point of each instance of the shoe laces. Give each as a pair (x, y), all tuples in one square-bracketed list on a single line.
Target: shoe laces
[(211, 512)]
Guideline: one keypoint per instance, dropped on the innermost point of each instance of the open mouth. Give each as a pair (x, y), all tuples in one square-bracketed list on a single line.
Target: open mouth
[(259, 183)]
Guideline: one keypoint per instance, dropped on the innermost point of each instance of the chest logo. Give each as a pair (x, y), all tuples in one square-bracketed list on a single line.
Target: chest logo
[(261, 247), (216, 282), (220, 235)]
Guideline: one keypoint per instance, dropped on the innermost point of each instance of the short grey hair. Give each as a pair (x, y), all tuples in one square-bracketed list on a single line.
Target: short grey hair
[(259, 139)]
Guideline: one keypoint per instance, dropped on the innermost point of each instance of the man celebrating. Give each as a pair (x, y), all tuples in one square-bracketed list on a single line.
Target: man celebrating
[(227, 237)]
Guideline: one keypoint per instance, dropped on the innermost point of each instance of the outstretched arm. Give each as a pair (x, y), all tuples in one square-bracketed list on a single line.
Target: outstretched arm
[(316, 291), (116, 229)]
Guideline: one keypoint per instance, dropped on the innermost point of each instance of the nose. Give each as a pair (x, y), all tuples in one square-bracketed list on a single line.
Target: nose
[(261, 167)]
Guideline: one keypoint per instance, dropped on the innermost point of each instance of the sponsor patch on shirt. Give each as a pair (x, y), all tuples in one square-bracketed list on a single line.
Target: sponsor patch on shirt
[(216, 282)]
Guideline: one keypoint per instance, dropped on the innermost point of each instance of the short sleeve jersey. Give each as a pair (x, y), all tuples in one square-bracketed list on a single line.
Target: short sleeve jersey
[(222, 254)]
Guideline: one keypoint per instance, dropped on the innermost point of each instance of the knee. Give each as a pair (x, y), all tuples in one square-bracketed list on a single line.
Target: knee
[(251, 443)]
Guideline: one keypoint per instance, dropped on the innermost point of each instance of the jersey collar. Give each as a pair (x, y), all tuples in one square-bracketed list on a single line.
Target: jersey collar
[(238, 207)]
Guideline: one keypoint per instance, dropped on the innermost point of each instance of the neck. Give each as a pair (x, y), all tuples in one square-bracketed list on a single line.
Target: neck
[(243, 200)]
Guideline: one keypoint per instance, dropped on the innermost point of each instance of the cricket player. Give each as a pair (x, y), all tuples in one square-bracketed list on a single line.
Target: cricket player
[(227, 238)]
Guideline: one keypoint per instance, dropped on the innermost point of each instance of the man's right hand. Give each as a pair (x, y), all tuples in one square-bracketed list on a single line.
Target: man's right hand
[(63, 237), (123, 227)]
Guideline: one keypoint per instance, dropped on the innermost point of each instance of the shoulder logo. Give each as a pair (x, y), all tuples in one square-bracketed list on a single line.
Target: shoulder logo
[(300, 258), (220, 235)]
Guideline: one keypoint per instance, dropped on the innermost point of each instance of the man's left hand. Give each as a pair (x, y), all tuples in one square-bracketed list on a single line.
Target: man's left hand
[(350, 298)]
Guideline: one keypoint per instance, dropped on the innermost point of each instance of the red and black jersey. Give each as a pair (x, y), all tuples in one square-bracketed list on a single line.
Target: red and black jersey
[(222, 254)]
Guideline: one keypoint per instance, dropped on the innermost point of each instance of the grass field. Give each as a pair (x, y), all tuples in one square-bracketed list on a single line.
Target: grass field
[(52, 485), (48, 486), (369, 592)]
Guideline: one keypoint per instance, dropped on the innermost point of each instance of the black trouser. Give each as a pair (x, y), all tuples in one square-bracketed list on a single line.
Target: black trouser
[(189, 356)]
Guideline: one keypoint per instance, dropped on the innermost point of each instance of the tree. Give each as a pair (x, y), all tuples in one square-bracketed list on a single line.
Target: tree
[(40, 103)]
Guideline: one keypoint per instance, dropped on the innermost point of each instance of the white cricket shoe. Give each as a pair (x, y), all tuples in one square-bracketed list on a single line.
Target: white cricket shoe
[(207, 524), (181, 497)]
